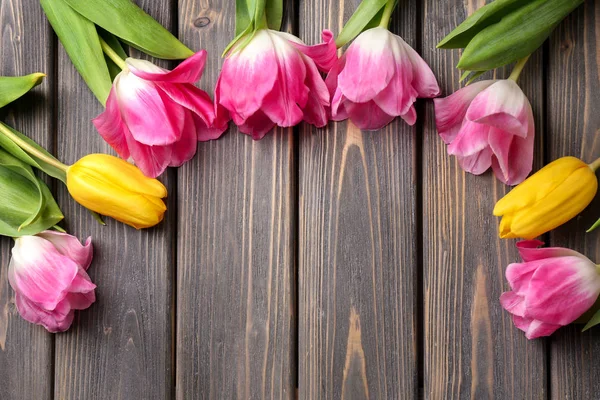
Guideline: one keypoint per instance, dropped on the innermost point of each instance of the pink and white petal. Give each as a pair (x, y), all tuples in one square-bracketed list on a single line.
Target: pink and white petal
[(323, 54), (513, 159), (189, 71), (185, 148), (451, 111), (477, 163), (248, 76), (338, 108), (57, 320), (522, 323), (539, 329), (257, 126), (80, 301), (192, 98), (503, 105), (519, 276), (70, 246), (411, 116), (424, 81), (150, 115), (529, 251), (331, 81), (315, 113), (82, 283), (370, 66), (513, 303), (367, 116), (110, 126), (151, 160), (39, 272), (471, 139)]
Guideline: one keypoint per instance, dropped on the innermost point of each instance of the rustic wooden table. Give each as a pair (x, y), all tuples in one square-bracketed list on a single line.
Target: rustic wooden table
[(317, 263)]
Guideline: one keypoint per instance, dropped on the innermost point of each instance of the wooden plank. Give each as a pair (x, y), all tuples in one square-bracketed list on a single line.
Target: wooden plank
[(358, 245), (573, 129), (26, 46), (235, 281), (471, 349), (121, 348)]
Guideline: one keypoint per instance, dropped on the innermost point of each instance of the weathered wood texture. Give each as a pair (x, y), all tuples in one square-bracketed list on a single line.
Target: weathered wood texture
[(121, 348), (573, 95), (471, 347), (357, 245), (26, 46), (235, 275)]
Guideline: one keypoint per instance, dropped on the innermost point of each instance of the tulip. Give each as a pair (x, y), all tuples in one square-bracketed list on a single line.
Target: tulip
[(489, 124), (551, 288), (547, 199), (379, 78), (155, 116), (271, 78), (48, 274), (113, 187)]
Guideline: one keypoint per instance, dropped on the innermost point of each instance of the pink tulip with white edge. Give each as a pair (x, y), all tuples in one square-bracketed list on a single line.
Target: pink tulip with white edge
[(551, 288), (489, 124), (273, 80), (156, 117), (378, 78), (48, 274)]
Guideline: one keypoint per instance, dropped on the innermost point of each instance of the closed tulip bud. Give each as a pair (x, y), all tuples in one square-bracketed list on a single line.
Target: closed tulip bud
[(547, 199), (113, 187)]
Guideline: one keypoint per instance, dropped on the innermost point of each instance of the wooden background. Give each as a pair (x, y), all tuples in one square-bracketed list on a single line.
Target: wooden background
[(315, 263)]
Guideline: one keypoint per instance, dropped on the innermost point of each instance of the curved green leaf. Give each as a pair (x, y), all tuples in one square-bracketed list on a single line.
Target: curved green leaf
[(242, 16), (80, 39), (274, 10), (131, 24), (363, 15), (13, 87), (595, 320), (597, 224)]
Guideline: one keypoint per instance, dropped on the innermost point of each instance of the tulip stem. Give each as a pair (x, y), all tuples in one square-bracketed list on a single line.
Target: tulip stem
[(112, 54), (516, 72), (595, 165), (387, 14), (31, 149)]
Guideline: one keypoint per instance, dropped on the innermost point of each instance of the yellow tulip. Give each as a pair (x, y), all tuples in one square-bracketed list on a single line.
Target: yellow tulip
[(111, 186), (547, 199)]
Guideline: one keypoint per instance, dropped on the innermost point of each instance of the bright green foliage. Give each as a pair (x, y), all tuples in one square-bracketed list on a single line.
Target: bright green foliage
[(363, 18), (13, 87)]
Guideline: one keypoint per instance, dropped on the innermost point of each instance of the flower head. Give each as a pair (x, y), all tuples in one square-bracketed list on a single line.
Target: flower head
[(547, 199), (489, 124), (271, 78), (48, 274), (379, 78), (155, 116), (551, 288), (113, 187)]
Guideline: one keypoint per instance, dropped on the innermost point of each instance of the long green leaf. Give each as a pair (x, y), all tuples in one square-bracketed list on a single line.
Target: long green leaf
[(274, 10), (363, 15), (597, 224), (80, 39), (13, 87), (595, 320), (242, 16), (480, 19), (131, 24)]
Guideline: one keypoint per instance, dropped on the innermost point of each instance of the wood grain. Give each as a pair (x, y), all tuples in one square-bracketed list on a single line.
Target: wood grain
[(121, 348), (26, 46), (235, 281), (357, 245), (471, 348), (574, 129)]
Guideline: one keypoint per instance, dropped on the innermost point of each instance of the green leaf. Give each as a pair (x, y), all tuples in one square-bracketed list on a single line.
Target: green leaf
[(242, 16), (274, 10), (80, 39), (480, 19), (597, 224), (516, 36), (363, 15), (13, 87), (26, 204), (131, 24), (595, 320), (8, 145)]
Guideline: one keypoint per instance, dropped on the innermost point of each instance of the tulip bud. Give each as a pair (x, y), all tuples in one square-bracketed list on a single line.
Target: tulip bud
[(113, 187), (547, 199)]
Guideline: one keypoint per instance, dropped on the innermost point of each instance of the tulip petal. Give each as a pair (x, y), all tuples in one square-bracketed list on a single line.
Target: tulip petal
[(257, 126), (450, 111), (519, 276), (151, 160), (368, 116), (110, 126), (192, 98), (513, 303), (529, 251), (315, 111), (71, 247), (323, 54), (57, 320), (471, 139), (185, 149), (424, 81), (503, 105), (410, 117), (80, 301), (189, 71), (533, 328), (399, 95), (513, 159)]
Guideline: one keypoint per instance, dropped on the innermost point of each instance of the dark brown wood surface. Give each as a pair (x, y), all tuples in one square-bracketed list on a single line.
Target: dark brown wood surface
[(313, 264)]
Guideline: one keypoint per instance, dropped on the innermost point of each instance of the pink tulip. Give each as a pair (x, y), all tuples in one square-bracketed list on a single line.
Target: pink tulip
[(48, 274), (551, 288), (379, 78), (489, 123), (273, 80), (156, 117)]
